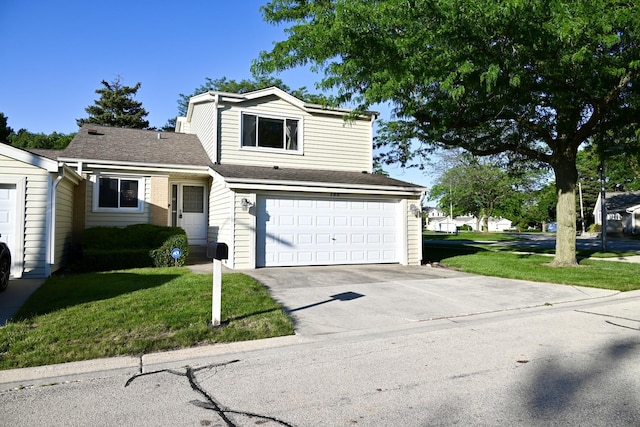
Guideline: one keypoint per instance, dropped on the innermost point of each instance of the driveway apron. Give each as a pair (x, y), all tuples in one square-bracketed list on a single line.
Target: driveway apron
[(335, 299)]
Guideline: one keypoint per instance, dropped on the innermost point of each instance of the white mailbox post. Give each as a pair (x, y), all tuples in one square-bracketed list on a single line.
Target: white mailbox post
[(217, 251)]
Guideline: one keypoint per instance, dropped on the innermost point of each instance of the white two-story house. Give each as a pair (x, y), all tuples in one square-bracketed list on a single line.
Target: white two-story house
[(280, 181)]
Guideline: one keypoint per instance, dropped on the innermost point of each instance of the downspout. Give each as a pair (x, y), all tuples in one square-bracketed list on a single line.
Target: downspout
[(215, 129), (51, 221), (423, 195)]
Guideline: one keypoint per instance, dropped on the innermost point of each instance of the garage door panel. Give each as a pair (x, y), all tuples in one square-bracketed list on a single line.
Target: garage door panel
[(294, 231)]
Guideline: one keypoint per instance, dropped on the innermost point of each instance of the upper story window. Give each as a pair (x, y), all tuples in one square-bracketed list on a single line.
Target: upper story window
[(118, 193), (271, 132)]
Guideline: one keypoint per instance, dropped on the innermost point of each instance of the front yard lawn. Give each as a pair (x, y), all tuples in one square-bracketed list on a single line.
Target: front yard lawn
[(621, 276), (132, 312)]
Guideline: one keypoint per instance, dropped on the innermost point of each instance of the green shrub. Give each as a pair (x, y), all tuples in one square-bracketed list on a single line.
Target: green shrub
[(116, 248), (594, 228), (162, 256)]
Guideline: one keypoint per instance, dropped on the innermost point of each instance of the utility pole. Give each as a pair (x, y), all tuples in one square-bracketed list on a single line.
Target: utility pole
[(603, 208), (581, 207)]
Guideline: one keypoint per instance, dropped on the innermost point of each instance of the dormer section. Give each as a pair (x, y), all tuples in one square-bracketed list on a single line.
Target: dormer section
[(269, 128)]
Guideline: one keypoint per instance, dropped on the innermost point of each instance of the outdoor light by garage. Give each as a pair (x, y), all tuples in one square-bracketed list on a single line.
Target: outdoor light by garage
[(217, 251)]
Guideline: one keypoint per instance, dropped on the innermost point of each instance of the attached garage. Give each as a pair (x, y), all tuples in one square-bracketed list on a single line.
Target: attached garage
[(281, 217), (322, 231), (8, 219), (36, 202)]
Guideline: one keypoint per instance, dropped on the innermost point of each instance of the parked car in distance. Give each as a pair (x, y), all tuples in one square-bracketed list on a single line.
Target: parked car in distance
[(5, 266), (552, 227)]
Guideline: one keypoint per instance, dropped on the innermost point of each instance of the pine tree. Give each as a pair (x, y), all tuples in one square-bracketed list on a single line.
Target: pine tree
[(116, 107)]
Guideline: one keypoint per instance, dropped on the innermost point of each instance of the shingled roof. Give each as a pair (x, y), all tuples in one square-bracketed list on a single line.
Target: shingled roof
[(93, 142), (256, 173), (620, 201)]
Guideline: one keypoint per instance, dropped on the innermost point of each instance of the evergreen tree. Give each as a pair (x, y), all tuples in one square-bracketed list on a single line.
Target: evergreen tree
[(5, 131), (116, 107)]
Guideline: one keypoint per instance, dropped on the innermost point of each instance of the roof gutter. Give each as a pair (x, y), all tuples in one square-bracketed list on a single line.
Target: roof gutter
[(114, 164), (273, 184)]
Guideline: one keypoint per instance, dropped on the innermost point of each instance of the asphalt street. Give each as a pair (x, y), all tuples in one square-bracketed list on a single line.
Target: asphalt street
[(375, 346)]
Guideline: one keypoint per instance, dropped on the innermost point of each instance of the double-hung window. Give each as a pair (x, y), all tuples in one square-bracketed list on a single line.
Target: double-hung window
[(268, 132), (118, 193)]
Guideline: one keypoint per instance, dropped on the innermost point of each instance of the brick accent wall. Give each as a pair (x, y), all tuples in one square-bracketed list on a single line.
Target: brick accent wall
[(159, 209)]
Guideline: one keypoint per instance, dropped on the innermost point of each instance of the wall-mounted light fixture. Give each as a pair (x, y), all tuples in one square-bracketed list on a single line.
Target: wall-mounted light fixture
[(414, 210), (245, 203)]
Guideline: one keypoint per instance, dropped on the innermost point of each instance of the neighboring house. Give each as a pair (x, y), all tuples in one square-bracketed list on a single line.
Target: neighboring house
[(280, 181), (622, 211), (442, 223), (36, 210)]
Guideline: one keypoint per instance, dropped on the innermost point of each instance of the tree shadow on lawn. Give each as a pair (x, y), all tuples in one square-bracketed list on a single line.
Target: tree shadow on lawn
[(436, 253), (61, 292)]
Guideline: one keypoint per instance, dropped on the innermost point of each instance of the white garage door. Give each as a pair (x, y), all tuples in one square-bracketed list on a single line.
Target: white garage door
[(298, 231), (7, 217)]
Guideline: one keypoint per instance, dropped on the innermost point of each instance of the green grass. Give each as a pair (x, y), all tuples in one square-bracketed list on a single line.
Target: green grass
[(613, 275), (132, 312)]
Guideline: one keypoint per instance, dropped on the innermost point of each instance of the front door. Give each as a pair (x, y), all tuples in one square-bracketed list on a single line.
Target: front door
[(189, 211)]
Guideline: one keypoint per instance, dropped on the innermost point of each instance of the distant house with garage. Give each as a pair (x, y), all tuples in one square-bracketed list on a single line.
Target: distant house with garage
[(622, 212), (280, 181), (439, 221)]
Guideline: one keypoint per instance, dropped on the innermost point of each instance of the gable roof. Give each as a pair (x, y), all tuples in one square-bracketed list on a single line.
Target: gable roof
[(235, 98), (241, 174), (29, 157), (127, 146)]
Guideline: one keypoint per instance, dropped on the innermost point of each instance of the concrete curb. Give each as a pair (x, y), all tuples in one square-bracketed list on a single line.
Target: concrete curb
[(130, 365)]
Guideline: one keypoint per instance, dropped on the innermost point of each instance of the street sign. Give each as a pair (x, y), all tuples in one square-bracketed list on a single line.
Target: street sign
[(176, 253)]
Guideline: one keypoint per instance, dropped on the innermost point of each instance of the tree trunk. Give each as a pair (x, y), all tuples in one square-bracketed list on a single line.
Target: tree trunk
[(566, 177)]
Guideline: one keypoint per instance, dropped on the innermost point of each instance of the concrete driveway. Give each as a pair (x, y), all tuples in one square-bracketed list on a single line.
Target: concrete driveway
[(338, 299)]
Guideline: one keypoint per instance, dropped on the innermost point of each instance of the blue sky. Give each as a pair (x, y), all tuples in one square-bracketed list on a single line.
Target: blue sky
[(55, 54)]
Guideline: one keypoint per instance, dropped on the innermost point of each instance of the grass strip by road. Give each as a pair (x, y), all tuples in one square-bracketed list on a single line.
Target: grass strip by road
[(621, 276), (471, 235), (132, 312)]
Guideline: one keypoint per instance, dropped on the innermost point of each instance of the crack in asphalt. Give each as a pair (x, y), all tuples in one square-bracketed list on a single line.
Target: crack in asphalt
[(211, 403), (613, 317)]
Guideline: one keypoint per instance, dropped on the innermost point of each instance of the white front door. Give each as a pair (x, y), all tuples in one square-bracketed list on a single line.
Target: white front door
[(322, 231), (8, 219), (189, 211)]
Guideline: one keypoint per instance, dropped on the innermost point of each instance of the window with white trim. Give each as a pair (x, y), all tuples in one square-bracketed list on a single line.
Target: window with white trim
[(118, 193), (278, 133)]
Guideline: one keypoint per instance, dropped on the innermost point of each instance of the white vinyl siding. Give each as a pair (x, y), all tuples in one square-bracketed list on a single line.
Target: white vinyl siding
[(202, 124), (329, 142), (414, 234), (244, 238), (221, 216), (31, 259), (63, 224)]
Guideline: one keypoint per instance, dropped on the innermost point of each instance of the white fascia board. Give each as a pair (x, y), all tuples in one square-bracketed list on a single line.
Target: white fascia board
[(71, 174), (329, 187), (198, 99), (136, 165), (29, 158), (631, 209), (232, 181), (307, 189)]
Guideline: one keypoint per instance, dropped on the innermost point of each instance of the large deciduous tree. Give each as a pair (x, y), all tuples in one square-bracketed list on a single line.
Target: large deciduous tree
[(533, 77), (116, 107)]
